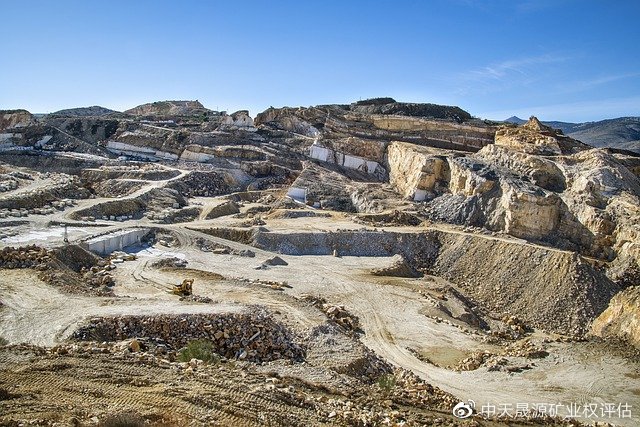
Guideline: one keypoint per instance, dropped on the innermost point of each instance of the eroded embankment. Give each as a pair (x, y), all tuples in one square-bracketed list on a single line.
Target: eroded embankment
[(253, 335), (553, 290)]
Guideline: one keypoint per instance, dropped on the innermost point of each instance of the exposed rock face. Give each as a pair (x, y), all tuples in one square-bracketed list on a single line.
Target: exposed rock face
[(169, 108), (14, 118), (622, 318), (540, 171), (416, 171), (535, 138), (534, 183), (238, 120), (470, 177), (424, 124), (529, 212)]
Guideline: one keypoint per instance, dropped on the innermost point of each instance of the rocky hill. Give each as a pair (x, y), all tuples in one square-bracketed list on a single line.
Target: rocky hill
[(169, 108), (621, 133), (94, 111)]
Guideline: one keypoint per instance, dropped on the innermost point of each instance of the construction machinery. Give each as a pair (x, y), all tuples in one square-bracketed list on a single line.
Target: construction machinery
[(183, 289)]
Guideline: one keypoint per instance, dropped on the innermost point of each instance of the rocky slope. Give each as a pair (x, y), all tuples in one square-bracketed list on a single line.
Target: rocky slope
[(94, 111), (169, 108)]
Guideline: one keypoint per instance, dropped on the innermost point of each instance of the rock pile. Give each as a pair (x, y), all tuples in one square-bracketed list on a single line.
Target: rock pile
[(201, 184), (7, 184), (24, 257), (219, 249), (394, 218), (506, 360), (62, 268), (337, 313), (253, 336)]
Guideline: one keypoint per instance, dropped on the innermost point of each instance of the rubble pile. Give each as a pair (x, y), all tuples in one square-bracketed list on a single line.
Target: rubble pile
[(7, 183), (219, 249), (337, 313), (515, 328), (201, 184), (507, 360), (394, 218), (172, 215), (24, 257), (253, 336)]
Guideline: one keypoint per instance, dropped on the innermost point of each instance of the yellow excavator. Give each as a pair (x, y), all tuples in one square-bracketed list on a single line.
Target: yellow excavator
[(183, 289)]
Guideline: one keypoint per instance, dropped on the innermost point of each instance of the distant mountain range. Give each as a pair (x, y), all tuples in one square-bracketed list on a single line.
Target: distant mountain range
[(622, 133)]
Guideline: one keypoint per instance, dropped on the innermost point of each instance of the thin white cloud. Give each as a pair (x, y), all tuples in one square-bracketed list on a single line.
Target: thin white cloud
[(499, 76), (521, 66)]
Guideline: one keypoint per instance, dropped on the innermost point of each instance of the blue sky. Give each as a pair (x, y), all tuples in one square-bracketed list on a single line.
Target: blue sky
[(558, 59)]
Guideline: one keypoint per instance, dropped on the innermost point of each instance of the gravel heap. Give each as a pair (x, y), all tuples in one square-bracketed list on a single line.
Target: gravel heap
[(253, 336)]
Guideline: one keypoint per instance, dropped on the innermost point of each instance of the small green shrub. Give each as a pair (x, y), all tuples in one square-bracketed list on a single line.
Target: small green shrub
[(199, 349), (387, 382), (3, 341)]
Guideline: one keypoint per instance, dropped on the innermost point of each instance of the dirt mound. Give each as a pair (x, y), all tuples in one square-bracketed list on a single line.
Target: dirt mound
[(399, 268), (204, 184), (227, 208), (552, 290), (75, 257), (395, 217), (276, 260)]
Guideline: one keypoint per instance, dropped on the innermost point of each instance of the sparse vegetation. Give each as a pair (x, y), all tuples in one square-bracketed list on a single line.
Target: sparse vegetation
[(3, 341), (387, 382), (199, 349), (123, 419)]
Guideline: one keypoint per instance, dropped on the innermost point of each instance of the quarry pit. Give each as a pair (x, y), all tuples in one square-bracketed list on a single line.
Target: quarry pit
[(411, 273)]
